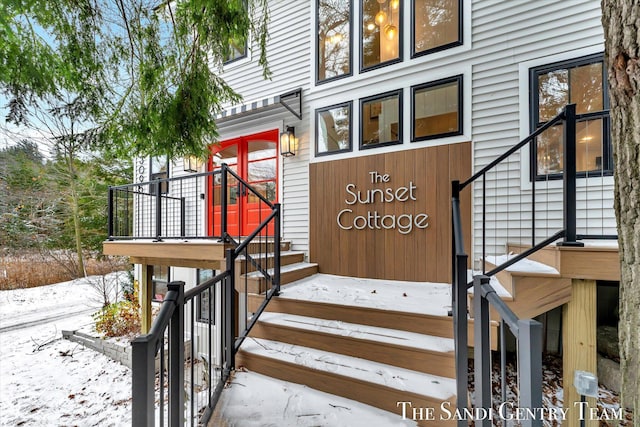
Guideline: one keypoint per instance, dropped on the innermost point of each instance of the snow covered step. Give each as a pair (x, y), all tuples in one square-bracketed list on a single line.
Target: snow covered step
[(532, 288), (409, 350), (372, 383), (286, 258), (257, 284)]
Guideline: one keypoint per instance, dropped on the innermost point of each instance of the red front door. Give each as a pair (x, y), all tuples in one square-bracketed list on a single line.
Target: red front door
[(255, 159)]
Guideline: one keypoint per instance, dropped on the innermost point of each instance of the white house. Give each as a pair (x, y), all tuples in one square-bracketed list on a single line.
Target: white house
[(385, 103)]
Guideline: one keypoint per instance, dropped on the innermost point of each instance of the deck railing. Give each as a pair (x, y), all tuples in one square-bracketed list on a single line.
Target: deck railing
[(535, 227), (181, 366)]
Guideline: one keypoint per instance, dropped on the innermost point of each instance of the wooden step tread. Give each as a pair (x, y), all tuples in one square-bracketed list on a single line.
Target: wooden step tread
[(361, 332), (241, 257), (524, 267), (428, 385), (500, 289), (285, 269)]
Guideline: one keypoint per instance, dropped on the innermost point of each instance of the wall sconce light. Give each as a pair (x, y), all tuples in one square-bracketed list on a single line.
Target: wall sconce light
[(191, 164), (288, 142)]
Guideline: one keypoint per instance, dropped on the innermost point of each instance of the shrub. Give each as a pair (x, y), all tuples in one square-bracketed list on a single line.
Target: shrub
[(118, 319)]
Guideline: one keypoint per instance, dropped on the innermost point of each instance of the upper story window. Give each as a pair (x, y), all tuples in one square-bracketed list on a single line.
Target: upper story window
[(381, 122), (333, 129), (579, 82), (237, 48), (437, 25), (333, 27), (381, 42), (436, 109)]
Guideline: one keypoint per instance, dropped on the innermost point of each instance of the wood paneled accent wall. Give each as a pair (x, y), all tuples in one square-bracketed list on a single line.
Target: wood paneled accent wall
[(424, 254)]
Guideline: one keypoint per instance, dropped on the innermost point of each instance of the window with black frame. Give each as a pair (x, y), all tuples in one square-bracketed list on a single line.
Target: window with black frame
[(437, 25), (333, 42), (159, 281), (381, 36), (581, 82), (436, 109), (237, 48), (159, 169), (381, 120), (333, 129), (206, 300)]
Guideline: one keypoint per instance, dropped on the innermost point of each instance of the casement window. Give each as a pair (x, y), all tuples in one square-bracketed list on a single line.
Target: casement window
[(436, 25), (333, 42), (581, 82), (206, 300), (333, 129), (159, 282), (381, 120), (159, 169), (237, 48), (436, 109), (381, 33)]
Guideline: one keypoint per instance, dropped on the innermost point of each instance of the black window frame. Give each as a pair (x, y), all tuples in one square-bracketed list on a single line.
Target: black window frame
[(534, 123), (164, 186), (398, 93), (348, 104), (212, 298), (441, 82), (317, 45), (155, 282), (440, 48), (401, 32), (246, 42)]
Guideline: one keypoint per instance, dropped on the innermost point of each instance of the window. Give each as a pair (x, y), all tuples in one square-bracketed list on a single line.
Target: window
[(206, 300), (436, 109), (381, 23), (437, 25), (159, 168), (333, 44), (159, 282), (333, 129), (237, 48), (579, 82), (381, 122)]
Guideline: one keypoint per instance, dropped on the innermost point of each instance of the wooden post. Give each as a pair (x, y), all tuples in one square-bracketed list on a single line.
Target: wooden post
[(579, 348), (146, 293)]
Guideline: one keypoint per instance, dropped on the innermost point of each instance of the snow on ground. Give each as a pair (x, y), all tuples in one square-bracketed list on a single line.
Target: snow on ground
[(45, 380)]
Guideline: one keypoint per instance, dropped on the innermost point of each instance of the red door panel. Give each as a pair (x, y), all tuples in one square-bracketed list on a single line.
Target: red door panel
[(255, 159)]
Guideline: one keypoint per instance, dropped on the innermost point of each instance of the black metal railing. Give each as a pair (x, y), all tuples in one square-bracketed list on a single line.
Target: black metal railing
[(193, 206), (196, 358), (535, 229)]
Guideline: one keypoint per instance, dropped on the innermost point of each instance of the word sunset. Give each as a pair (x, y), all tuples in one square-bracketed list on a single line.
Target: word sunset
[(404, 223)]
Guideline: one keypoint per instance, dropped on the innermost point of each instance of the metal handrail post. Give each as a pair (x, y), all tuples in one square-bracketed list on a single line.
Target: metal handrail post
[(176, 358), (569, 177), (142, 382), (158, 187), (481, 348), (276, 249), (229, 312), (223, 202), (530, 367), (110, 214)]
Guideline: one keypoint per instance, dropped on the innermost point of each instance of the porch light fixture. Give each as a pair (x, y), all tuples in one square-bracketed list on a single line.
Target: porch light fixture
[(288, 142), (191, 164)]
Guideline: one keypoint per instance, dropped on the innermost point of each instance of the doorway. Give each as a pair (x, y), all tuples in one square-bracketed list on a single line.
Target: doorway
[(254, 158)]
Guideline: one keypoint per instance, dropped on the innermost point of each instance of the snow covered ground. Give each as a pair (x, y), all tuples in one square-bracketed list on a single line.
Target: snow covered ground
[(48, 381)]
